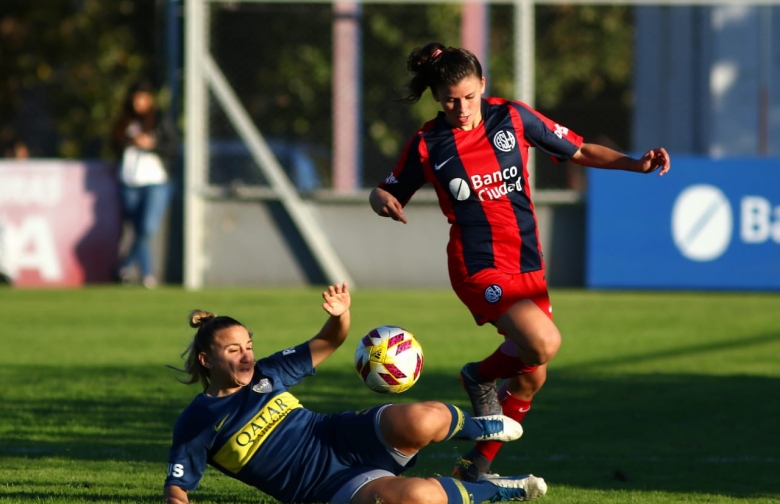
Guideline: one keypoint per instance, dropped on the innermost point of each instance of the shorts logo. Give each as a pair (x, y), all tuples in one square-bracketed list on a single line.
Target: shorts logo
[(493, 293), (264, 386), (504, 141)]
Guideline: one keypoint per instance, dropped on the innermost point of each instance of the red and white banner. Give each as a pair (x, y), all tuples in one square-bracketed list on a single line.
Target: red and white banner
[(60, 222)]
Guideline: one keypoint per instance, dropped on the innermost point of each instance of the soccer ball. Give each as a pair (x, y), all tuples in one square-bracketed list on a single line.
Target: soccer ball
[(389, 359)]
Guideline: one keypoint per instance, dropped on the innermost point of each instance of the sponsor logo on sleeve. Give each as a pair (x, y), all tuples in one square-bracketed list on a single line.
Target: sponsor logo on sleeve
[(561, 131)]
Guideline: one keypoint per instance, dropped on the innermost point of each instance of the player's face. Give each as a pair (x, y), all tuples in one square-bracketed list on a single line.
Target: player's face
[(461, 103), (231, 361)]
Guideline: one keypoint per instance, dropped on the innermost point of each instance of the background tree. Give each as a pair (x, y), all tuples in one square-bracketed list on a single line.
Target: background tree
[(583, 71), (64, 69)]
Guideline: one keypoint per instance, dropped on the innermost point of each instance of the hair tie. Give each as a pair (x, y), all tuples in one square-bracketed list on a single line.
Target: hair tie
[(436, 53)]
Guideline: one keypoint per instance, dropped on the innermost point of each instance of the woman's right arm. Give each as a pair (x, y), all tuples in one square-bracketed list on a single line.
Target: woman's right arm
[(175, 495), (385, 204)]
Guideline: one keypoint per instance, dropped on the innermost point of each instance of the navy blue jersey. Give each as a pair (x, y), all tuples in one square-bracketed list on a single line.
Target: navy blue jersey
[(480, 177), (262, 436)]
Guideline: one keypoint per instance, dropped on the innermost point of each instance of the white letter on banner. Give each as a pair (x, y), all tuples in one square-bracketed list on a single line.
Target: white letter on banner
[(755, 219), (31, 246)]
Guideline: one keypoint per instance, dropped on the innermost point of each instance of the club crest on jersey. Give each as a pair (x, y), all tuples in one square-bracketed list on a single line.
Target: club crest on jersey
[(493, 293), (504, 140), (263, 386)]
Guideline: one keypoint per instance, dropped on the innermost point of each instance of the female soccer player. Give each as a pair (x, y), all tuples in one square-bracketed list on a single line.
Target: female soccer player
[(248, 425), (475, 153)]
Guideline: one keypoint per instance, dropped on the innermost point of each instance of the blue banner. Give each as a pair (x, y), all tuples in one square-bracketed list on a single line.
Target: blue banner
[(707, 224)]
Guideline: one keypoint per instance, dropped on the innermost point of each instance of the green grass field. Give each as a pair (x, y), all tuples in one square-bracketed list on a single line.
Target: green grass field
[(654, 397)]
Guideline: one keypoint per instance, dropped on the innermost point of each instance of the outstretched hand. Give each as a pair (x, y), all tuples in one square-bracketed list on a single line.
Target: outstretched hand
[(654, 159), (337, 299)]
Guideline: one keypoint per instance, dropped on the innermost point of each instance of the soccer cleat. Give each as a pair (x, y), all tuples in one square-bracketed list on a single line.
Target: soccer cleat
[(466, 470), (483, 394), (498, 428), (516, 488)]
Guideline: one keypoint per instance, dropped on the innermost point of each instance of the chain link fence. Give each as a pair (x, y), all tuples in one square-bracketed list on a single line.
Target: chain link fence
[(278, 58)]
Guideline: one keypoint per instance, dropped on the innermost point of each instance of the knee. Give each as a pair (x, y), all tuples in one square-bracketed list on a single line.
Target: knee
[(536, 336), (423, 491), (428, 422), (400, 490), (539, 348), (543, 349), (410, 427)]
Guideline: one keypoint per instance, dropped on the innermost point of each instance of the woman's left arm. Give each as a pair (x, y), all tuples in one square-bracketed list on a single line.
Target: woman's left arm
[(599, 156), (334, 332)]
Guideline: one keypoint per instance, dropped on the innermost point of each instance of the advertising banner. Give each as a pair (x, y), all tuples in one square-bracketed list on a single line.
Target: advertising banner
[(707, 224), (59, 222)]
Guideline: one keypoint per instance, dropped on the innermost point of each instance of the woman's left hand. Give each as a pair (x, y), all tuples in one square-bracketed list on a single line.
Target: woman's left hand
[(654, 159), (337, 299)]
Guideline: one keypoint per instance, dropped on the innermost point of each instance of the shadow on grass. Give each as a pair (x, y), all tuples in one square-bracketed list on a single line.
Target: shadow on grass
[(684, 351), (678, 433)]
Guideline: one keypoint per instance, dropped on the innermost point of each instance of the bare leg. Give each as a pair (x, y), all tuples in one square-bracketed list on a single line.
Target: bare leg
[(525, 386), (409, 427), (399, 490), (536, 336)]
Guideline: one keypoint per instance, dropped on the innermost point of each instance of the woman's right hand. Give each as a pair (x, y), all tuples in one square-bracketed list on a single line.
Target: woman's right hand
[(385, 204)]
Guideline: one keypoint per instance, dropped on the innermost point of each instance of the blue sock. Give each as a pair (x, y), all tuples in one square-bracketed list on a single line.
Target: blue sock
[(463, 426), (463, 492)]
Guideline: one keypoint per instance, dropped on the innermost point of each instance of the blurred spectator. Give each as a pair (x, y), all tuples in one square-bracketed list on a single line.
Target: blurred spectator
[(11, 145), (5, 276), (145, 142)]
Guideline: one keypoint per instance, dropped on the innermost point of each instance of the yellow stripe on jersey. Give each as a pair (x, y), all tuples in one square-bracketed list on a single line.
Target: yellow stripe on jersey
[(240, 449)]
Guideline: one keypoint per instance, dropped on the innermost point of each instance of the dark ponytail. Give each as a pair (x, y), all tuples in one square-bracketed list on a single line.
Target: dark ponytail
[(435, 65)]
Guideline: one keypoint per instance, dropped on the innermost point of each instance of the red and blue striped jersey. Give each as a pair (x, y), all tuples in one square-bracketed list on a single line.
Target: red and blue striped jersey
[(480, 177)]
